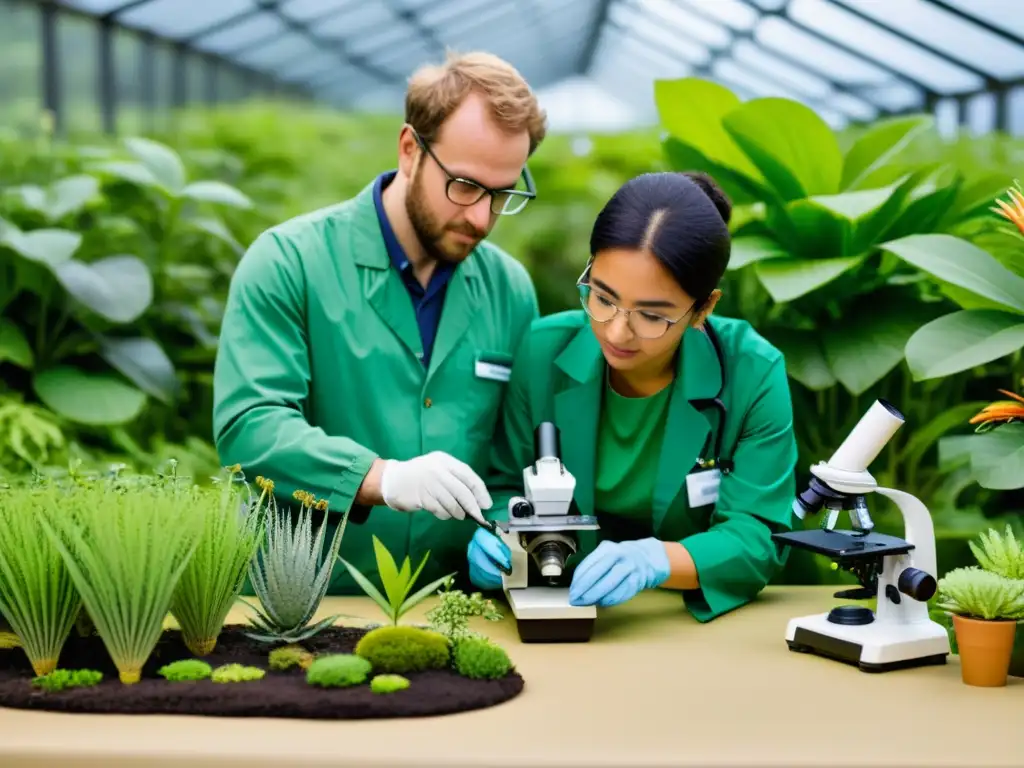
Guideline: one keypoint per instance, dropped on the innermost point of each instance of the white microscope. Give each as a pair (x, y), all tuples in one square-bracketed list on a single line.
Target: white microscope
[(900, 573), (541, 534)]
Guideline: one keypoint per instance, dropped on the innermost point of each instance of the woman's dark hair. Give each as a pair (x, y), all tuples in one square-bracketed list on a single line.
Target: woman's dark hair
[(681, 218)]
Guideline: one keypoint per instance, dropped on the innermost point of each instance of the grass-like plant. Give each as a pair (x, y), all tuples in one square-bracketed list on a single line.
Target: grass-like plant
[(231, 529), (290, 573), (976, 593), (37, 594), (396, 582), (126, 545), (1000, 553)]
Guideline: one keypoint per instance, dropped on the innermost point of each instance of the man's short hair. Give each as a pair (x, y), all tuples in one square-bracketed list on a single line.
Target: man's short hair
[(436, 90)]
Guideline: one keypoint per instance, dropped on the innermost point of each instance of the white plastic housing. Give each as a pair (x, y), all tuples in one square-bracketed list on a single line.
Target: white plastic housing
[(866, 440), (550, 490)]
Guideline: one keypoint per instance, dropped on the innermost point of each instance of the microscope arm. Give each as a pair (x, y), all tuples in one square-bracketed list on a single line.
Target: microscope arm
[(919, 529)]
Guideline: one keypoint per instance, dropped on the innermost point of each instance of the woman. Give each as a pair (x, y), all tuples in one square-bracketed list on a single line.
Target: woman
[(631, 381)]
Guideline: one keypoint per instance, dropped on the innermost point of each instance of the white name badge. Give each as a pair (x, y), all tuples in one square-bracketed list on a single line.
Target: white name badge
[(702, 487), (492, 371)]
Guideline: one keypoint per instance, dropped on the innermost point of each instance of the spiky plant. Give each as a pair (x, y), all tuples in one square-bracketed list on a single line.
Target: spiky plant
[(1000, 553), (37, 594), (979, 594), (126, 545), (231, 528), (290, 574)]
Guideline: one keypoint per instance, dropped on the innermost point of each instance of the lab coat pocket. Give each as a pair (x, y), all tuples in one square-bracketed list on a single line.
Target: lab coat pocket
[(492, 366)]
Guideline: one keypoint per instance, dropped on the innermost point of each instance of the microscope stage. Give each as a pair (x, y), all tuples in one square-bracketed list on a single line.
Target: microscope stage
[(846, 544)]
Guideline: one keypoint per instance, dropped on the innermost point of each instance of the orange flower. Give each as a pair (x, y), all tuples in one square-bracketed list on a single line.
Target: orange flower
[(1013, 210), (1001, 411)]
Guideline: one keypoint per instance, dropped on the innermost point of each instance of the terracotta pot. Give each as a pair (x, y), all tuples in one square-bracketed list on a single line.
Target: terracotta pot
[(985, 649)]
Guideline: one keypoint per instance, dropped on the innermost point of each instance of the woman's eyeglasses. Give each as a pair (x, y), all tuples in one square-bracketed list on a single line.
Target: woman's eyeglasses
[(601, 309)]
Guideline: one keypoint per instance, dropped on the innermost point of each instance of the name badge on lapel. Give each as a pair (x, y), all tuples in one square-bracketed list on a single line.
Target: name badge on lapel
[(702, 487), (493, 370)]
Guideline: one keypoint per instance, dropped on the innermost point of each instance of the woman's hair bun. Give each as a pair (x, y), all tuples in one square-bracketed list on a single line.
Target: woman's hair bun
[(713, 191)]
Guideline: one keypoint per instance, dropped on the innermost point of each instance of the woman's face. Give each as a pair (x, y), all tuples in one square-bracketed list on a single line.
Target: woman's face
[(636, 281)]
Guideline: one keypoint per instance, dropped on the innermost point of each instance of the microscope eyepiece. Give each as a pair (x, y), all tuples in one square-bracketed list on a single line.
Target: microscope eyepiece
[(547, 442)]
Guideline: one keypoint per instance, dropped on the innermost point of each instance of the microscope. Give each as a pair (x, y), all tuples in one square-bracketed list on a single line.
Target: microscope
[(900, 573), (542, 534)]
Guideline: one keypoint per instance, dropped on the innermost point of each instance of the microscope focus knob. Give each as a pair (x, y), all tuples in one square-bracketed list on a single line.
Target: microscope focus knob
[(917, 584)]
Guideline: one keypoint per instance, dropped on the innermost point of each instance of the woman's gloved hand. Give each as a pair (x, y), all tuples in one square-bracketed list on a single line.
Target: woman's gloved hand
[(616, 572), (488, 556)]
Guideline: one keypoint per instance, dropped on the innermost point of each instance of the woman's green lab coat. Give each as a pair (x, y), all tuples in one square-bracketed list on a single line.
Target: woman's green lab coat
[(318, 373), (559, 376)]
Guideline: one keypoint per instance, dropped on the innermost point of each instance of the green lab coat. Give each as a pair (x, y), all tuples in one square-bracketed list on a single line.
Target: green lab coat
[(559, 376), (318, 373)]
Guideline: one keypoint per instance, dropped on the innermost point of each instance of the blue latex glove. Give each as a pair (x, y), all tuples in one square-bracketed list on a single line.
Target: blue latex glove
[(616, 572), (488, 556)]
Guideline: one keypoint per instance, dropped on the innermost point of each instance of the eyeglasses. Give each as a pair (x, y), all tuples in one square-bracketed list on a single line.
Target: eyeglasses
[(601, 309), (466, 192)]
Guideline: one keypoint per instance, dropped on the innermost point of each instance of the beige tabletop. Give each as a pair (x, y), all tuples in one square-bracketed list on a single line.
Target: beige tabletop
[(653, 688)]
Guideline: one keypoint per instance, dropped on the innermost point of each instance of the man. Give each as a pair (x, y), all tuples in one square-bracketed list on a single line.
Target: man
[(366, 347)]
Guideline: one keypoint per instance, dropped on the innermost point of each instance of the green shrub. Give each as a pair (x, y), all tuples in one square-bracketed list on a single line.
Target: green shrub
[(290, 656), (186, 669), (401, 650), (480, 658), (60, 679), (339, 670), (236, 673), (388, 683)]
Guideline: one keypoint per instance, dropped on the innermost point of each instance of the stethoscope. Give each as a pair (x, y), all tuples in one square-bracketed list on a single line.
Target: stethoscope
[(717, 461)]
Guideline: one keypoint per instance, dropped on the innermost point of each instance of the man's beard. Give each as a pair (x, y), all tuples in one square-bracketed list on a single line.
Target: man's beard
[(431, 233)]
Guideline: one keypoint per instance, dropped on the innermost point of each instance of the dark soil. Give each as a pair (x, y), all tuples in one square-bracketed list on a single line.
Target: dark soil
[(279, 694)]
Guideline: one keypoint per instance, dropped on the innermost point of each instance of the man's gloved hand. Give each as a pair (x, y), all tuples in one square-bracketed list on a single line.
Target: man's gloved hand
[(436, 482), (616, 572), (488, 556)]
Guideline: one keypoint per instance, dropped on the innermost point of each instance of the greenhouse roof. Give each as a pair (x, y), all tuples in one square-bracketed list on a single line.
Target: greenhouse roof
[(851, 60)]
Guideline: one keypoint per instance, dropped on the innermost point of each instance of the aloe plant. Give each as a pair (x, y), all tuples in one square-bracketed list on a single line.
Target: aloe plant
[(290, 574)]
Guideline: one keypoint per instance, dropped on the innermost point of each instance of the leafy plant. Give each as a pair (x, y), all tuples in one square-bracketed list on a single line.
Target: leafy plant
[(388, 683), (450, 617), (186, 670), (480, 658), (237, 673), (976, 593), (62, 679), (231, 531), (1000, 553), (290, 574), (37, 594), (404, 649), (126, 545), (397, 583), (339, 670)]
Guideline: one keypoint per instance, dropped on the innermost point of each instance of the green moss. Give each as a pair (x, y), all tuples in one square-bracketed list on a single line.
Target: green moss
[(236, 673), (388, 683), (60, 679), (404, 649), (480, 658), (338, 670), (290, 656), (186, 669)]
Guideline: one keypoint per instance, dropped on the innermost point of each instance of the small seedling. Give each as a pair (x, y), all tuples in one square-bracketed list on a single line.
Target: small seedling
[(61, 679), (186, 669), (236, 673), (388, 683), (397, 583), (339, 670), (404, 649), (289, 656), (479, 658), (450, 617)]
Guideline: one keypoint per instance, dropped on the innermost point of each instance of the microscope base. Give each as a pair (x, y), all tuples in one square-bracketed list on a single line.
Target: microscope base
[(544, 615), (873, 647)]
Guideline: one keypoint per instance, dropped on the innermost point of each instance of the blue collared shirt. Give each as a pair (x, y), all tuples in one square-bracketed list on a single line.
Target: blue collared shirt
[(427, 302)]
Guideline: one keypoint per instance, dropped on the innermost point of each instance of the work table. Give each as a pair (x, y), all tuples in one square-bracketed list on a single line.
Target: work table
[(652, 688)]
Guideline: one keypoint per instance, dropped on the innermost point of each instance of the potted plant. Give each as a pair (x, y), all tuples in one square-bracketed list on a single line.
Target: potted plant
[(985, 607), (1003, 553)]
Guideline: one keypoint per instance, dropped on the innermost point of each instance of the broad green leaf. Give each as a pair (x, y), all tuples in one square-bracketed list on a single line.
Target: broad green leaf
[(14, 347), (50, 247), (997, 458), (161, 161), (393, 588), (134, 173), (805, 359), (795, 150), (70, 195), (217, 229), (216, 192), (962, 340), (740, 188), (692, 110), (144, 363), (93, 399), (978, 194), (879, 146), (927, 205), (811, 231), (748, 250), (963, 264), (924, 437), (954, 450), (789, 279), (118, 288), (869, 341)]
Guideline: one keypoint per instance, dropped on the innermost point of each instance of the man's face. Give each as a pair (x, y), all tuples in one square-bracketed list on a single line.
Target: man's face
[(470, 146)]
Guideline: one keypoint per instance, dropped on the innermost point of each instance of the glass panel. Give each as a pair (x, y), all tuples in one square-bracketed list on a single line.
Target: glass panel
[(384, 36), (359, 20), (730, 72), (757, 59), (411, 5), (130, 92), (666, 13), (856, 108), (196, 68), (254, 29), (279, 50), (818, 55), (832, 21), (439, 15), (77, 57), (666, 39), (307, 10), (644, 58), (1015, 112), (960, 39), (981, 114), (303, 69), (492, 16), (94, 6), (995, 12), (947, 118), (771, 5), (732, 13), (406, 57), (21, 102), (163, 94), (178, 18), (895, 97)]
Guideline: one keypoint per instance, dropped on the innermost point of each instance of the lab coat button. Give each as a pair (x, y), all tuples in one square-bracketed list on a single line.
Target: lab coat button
[(427, 403)]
